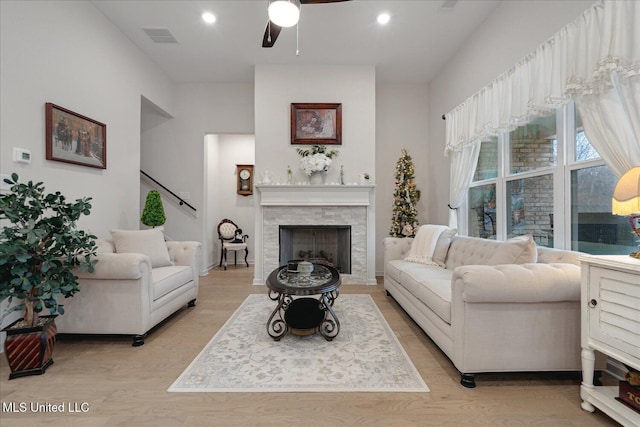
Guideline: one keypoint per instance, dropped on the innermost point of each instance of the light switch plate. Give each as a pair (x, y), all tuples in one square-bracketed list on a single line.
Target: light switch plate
[(21, 155)]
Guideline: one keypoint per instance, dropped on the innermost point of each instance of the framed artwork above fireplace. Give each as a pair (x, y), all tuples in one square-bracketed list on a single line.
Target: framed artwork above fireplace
[(316, 124)]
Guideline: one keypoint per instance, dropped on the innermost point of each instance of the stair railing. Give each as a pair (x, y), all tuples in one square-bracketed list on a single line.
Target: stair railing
[(179, 199)]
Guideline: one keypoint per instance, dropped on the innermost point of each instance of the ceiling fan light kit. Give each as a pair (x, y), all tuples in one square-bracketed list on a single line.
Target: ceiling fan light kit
[(284, 13)]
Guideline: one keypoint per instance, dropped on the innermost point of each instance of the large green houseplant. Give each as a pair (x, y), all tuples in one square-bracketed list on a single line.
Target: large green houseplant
[(40, 247)]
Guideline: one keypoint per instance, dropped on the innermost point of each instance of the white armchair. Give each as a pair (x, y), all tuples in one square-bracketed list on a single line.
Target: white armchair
[(131, 292)]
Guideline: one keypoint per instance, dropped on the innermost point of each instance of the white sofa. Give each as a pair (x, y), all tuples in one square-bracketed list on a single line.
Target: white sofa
[(491, 318), (128, 293)]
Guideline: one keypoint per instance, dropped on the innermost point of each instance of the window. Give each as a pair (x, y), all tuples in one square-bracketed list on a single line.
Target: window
[(534, 145), (482, 211), (558, 192), (594, 229), (487, 167), (482, 198), (530, 207)]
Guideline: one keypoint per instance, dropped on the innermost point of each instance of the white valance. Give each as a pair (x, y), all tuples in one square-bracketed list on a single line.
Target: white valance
[(577, 61)]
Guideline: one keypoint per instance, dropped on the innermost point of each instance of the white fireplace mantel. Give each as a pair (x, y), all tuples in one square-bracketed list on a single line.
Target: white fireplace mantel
[(306, 199), (315, 195)]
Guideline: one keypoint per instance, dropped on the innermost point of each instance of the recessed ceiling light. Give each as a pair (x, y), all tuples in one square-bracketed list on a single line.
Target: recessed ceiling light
[(384, 18), (208, 17)]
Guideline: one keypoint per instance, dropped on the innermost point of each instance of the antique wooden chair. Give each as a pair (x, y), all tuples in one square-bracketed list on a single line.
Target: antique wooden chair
[(231, 239)]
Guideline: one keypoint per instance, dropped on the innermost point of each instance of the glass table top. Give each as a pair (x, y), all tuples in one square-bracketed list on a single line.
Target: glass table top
[(321, 275)]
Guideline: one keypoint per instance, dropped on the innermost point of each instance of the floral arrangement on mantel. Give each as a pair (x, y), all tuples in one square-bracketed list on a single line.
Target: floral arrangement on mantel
[(316, 159)]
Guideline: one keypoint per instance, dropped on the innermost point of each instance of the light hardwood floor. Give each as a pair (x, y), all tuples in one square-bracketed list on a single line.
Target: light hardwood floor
[(127, 386)]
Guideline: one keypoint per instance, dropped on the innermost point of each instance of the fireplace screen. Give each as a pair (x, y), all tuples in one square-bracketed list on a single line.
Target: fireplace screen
[(328, 244)]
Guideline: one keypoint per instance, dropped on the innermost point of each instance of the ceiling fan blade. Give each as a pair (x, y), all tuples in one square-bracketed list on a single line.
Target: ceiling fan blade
[(320, 1), (271, 34), (272, 31)]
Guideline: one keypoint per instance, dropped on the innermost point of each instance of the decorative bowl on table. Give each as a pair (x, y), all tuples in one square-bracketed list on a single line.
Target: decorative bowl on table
[(305, 268)]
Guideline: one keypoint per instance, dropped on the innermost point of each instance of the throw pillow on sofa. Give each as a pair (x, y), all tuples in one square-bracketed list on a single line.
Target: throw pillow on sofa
[(442, 246), (147, 242), (519, 250)]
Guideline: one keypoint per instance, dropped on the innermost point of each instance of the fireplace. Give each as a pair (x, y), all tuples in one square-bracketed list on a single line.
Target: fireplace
[(328, 244), (314, 207)]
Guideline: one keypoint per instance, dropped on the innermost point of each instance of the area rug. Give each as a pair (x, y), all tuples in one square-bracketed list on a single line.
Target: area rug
[(366, 356)]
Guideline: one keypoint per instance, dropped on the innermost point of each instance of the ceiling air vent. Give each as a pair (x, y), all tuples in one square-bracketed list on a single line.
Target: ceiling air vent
[(160, 35)]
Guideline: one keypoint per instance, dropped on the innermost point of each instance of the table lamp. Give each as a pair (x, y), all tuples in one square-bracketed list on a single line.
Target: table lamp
[(626, 201)]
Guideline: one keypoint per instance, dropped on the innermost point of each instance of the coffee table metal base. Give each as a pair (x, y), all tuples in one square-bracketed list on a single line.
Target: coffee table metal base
[(303, 316)]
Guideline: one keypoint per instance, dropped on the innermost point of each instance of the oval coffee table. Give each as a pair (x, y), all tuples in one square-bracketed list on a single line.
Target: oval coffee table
[(305, 315)]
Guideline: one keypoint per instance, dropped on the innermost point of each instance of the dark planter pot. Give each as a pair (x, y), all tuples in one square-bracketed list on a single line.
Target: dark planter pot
[(29, 349)]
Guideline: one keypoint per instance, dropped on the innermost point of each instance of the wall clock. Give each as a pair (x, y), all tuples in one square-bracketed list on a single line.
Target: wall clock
[(244, 174)]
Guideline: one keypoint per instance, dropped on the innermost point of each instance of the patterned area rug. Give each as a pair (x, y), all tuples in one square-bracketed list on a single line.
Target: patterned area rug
[(366, 356)]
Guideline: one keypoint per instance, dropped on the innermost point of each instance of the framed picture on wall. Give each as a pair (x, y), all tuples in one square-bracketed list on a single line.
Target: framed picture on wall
[(316, 124), (74, 138)]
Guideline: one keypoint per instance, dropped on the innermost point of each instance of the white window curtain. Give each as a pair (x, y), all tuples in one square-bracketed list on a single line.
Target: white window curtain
[(463, 166), (594, 60), (612, 121)]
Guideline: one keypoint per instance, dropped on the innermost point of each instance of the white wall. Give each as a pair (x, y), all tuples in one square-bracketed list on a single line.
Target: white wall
[(235, 150), (277, 86), (402, 121), (513, 30), (81, 69), (210, 251), (88, 67), (174, 151)]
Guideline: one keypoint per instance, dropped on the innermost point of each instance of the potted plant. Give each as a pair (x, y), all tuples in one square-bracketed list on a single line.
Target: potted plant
[(153, 213), (40, 247), (315, 162)]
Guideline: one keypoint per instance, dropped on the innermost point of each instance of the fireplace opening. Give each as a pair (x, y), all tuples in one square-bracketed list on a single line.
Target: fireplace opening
[(328, 244)]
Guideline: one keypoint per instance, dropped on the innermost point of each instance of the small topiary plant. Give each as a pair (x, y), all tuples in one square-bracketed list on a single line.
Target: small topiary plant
[(153, 213)]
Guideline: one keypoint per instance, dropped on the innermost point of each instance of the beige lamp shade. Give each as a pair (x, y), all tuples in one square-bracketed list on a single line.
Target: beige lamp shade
[(626, 195)]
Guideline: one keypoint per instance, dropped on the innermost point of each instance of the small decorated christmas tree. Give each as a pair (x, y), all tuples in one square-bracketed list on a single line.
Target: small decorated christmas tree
[(153, 213), (404, 222)]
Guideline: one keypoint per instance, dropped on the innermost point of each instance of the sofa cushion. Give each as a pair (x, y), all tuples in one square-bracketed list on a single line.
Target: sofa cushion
[(432, 286), (550, 255), (442, 246), (398, 269), (166, 279), (148, 242), (394, 268), (519, 250)]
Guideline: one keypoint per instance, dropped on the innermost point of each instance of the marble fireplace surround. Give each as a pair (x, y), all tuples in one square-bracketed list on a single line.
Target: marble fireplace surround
[(352, 205)]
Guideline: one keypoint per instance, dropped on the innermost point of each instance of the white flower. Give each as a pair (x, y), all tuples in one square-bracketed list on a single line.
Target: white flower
[(315, 163)]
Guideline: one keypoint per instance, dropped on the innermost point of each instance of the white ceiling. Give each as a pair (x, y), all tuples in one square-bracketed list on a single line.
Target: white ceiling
[(420, 39)]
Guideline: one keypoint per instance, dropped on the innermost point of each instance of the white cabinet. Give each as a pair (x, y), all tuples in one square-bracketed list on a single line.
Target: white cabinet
[(611, 325)]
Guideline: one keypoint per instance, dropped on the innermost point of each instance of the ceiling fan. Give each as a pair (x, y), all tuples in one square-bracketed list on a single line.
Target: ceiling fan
[(272, 31)]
